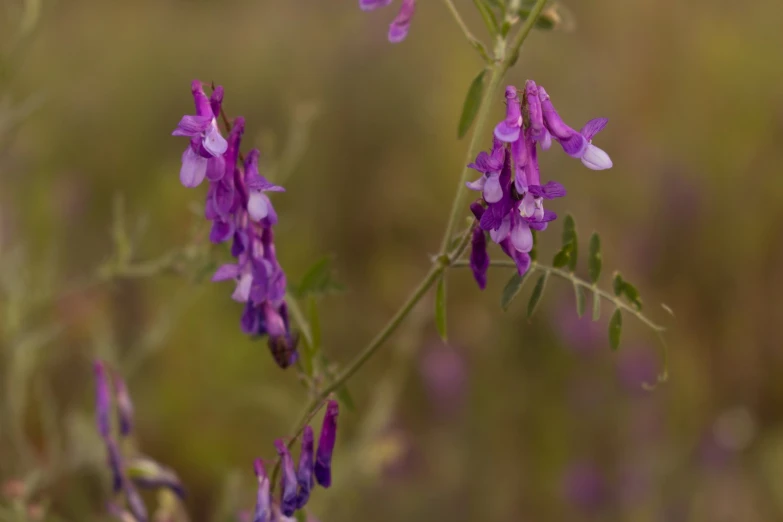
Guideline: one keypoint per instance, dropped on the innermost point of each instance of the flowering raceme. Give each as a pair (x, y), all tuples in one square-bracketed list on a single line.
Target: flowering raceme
[(129, 471), (240, 211), (512, 202), (398, 29), (297, 483)]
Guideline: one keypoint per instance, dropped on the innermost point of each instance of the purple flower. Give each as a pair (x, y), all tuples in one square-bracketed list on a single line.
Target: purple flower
[(304, 472), (240, 211), (102, 400), (479, 259), (288, 482), (398, 29), (263, 501), (323, 459), (512, 206), (575, 144), (508, 130), (584, 486), (490, 166), (206, 143), (124, 405), (258, 205), (537, 129)]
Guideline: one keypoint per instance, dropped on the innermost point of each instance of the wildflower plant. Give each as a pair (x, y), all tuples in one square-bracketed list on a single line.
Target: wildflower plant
[(512, 205)]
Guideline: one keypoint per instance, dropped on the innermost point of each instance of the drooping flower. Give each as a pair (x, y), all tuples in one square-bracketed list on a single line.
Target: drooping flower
[(258, 205), (240, 211), (288, 482), (575, 144), (102, 400), (508, 130), (124, 405), (137, 471), (323, 459), (398, 30), (206, 143), (263, 499), (304, 472), (490, 166)]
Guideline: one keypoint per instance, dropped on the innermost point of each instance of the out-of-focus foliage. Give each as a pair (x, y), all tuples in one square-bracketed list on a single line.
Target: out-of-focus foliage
[(518, 419)]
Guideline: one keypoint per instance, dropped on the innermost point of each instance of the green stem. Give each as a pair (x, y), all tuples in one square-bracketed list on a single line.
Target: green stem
[(475, 42), (445, 259), (616, 301)]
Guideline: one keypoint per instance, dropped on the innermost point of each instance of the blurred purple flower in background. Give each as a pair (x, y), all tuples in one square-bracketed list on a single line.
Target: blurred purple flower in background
[(444, 373), (147, 473), (584, 486), (398, 29), (323, 458)]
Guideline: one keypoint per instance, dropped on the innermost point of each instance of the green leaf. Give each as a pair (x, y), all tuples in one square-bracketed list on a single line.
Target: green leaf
[(632, 294), (563, 257), (301, 515), (615, 329), (596, 259), (535, 297), (318, 280), (617, 284), (511, 290), (596, 306), (472, 103), (579, 292), (570, 238), (440, 309)]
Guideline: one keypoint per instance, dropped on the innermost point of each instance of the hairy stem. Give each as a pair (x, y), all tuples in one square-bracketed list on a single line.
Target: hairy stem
[(472, 40), (445, 259)]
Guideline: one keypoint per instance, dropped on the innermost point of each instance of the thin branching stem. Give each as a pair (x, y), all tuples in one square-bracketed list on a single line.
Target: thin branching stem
[(474, 42), (570, 276)]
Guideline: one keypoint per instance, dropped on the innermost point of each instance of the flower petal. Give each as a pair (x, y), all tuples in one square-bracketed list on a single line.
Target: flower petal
[(193, 170), (502, 232), (216, 168), (192, 126), (257, 205), (521, 237), (506, 132), (226, 272), (369, 5), (493, 192), (242, 291), (595, 158), (593, 127), (213, 141), (398, 29), (221, 231), (478, 184)]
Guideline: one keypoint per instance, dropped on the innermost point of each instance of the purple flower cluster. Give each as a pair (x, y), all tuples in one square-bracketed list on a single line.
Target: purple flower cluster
[(512, 203), (147, 473), (240, 211), (398, 29), (296, 483)]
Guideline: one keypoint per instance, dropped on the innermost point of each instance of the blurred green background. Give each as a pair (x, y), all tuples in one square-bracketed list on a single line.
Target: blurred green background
[(516, 419)]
